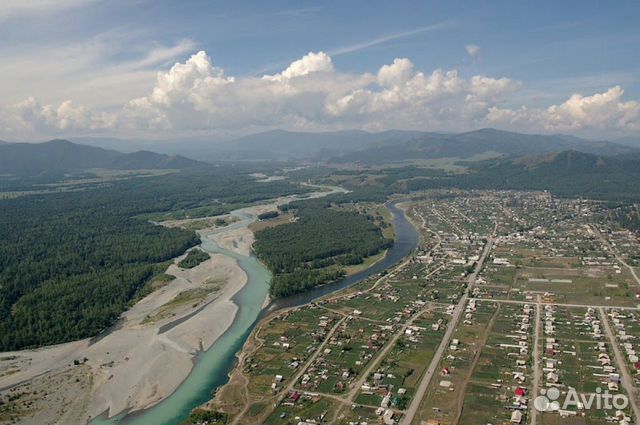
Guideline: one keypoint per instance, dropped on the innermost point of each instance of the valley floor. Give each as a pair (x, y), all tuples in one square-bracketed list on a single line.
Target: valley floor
[(137, 364), (510, 294), (150, 351)]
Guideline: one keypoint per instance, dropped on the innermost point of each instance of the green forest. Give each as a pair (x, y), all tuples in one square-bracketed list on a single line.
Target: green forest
[(627, 216), (312, 250), (193, 258), (565, 174), (72, 262)]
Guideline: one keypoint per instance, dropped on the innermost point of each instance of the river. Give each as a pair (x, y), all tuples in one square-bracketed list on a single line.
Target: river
[(212, 366)]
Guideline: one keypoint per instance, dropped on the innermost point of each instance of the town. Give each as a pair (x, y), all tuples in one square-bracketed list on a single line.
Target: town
[(513, 301)]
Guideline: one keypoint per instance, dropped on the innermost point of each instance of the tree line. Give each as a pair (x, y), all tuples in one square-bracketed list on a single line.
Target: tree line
[(72, 262), (313, 249), (193, 258)]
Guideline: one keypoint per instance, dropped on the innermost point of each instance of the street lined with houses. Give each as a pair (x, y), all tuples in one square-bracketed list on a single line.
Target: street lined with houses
[(509, 296)]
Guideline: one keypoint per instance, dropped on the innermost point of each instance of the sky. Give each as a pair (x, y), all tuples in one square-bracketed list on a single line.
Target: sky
[(165, 69)]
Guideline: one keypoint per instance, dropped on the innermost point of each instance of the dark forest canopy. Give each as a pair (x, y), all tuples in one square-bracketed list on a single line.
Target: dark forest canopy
[(268, 215), (627, 216), (193, 258), (72, 262), (565, 174), (313, 249)]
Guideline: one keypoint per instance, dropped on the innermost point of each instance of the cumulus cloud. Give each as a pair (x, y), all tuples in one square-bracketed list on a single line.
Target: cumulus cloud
[(396, 73), (412, 99), (599, 111), (310, 94), (472, 49), (31, 118), (196, 95), (311, 62)]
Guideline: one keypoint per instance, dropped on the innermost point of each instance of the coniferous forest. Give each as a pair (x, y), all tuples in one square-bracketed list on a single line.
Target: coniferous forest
[(72, 262), (312, 250), (195, 257)]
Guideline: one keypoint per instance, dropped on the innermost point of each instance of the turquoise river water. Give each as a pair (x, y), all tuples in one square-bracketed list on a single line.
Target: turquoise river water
[(211, 367)]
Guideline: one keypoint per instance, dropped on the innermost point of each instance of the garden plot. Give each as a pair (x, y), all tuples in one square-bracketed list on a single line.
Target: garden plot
[(445, 394), (345, 356), (500, 384), (287, 343), (395, 380), (577, 357)]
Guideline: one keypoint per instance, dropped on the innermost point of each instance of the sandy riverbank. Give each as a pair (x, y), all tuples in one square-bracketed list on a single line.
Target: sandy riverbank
[(141, 362), (148, 354)]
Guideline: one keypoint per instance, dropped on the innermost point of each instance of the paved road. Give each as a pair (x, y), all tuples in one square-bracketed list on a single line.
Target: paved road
[(410, 413), (627, 382)]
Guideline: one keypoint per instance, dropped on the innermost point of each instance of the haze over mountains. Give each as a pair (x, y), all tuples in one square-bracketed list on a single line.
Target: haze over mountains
[(466, 145), (335, 147), (365, 147), (629, 141), (29, 159)]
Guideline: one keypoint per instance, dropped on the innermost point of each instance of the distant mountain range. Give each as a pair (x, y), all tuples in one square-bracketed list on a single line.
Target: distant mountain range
[(470, 144), (398, 145), (556, 167), (329, 147), (32, 159), (629, 141), (281, 144), (371, 148)]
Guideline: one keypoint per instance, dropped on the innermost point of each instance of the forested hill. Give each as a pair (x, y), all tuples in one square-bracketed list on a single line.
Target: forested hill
[(568, 173), (30, 159), (478, 142), (152, 160), (70, 263)]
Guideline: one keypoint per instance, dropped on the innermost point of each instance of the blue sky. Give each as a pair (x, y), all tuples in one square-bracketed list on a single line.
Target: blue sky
[(96, 56)]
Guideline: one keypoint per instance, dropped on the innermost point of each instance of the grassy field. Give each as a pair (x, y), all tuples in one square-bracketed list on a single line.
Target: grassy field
[(264, 224), (581, 285), (307, 408), (359, 414)]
